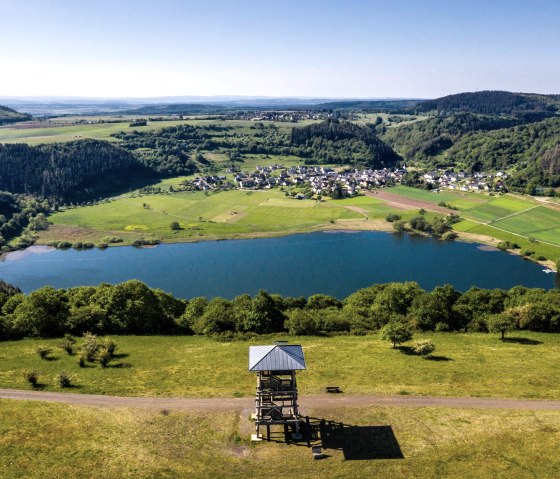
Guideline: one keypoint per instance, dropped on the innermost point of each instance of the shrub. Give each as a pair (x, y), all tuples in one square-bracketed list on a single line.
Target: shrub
[(111, 239), (442, 327), (64, 379), (89, 347), (82, 361), (450, 236), (175, 226), (104, 357), (399, 226), (392, 217), (67, 343), (110, 345), (102, 245), (64, 245), (32, 377), (43, 351), (424, 347), (88, 245), (78, 245)]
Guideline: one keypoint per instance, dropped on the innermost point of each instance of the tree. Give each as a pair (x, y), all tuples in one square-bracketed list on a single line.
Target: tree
[(175, 226), (397, 332), (500, 323)]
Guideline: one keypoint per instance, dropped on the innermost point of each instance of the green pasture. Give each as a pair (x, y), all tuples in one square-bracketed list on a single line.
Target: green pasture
[(39, 440), (473, 364), (521, 218), (224, 214)]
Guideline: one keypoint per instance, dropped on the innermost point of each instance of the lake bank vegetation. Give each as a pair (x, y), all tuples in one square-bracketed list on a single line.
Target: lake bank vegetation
[(134, 308)]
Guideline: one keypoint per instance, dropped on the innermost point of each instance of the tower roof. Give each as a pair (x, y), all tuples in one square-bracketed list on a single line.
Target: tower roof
[(277, 357)]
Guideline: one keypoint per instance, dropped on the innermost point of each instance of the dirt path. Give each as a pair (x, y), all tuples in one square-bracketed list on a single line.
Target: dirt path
[(401, 202), (312, 401)]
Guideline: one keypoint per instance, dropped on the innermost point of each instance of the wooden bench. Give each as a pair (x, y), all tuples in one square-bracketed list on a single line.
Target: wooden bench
[(333, 389)]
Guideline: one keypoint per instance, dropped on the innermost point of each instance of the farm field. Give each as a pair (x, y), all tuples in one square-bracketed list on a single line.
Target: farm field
[(227, 214), (522, 220), (58, 131), (52, 440), (473, 364)]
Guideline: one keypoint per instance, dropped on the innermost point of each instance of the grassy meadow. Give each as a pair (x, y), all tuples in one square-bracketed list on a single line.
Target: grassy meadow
[(473, 364), (227, 214), (40, 440)]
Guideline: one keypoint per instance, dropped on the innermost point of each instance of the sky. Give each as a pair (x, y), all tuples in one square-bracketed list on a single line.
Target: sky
[(284, 48)]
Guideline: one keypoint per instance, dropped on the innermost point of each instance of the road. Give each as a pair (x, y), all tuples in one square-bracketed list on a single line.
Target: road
[(322, 401)]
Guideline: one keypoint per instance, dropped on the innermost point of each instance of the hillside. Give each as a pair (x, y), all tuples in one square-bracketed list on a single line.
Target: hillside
[(74, 170), (343, 142), (8, 115), (521, 105)]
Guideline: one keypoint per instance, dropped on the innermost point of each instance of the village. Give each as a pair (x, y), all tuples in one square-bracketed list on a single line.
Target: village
[(343, 182)]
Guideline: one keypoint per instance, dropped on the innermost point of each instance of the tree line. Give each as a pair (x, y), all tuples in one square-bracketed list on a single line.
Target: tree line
[(134, 308)]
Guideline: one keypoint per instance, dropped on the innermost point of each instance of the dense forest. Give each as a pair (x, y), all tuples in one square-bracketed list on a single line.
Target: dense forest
[(521, 105), (7, 115), (133, 308), (69, 171), (346, 143)]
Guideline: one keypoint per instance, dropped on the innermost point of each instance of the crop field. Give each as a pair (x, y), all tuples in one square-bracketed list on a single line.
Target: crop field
[(473, 364), (506, 217), (40, 440), (58, 131), (224, 214)]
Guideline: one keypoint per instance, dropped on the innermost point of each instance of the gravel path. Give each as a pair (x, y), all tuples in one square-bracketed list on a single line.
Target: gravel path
[(312, 401)]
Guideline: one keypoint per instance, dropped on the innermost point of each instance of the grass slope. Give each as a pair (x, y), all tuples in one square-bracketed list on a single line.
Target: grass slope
[(227, 214), (466, 365), (40, 440)]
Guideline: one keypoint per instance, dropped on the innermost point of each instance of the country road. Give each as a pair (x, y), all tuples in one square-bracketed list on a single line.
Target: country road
[(312, 401)]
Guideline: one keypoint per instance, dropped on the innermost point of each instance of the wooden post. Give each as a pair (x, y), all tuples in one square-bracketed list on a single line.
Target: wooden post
[(286, 433), (268, 432)]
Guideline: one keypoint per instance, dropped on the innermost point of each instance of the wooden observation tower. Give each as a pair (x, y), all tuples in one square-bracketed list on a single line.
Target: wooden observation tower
[(276, 399)]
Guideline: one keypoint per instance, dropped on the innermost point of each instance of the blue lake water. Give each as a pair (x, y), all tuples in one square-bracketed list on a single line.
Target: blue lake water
[(330, 263)]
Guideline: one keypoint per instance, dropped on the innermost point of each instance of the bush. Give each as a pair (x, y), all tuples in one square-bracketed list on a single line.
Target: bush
[(424, 347), (111, 239), (392, 217), (450, 236), (442, 327), (399, 226), (88, 245), (110, 346), (64, 245), (82, 360), (78, 245), (67, 344), (43, 351), (102, 245), (89, 347), (64, 379), (175, 226), (32, 377), (104, 357)]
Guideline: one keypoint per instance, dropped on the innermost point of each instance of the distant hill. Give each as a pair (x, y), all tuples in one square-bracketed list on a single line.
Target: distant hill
[(522, 105), (75, 170), (343, 142), (373, 106), (8, 115)]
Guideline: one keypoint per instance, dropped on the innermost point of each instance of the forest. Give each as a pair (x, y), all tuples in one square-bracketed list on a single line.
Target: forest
[(134, 308), (69, 171), (343, 142)]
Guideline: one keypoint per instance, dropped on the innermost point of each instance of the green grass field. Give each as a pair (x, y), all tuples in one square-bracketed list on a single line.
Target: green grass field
[(522, 220), (39, 440), (216, 215), (469, 365)]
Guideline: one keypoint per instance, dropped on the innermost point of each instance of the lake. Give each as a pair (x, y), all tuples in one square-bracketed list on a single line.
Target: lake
[(336, 263)]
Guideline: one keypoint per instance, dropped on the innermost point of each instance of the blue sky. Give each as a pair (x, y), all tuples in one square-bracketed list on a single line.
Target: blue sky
[(352, 48)]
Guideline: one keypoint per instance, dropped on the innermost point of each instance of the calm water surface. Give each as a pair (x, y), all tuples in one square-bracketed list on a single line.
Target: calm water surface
[(330, 263)]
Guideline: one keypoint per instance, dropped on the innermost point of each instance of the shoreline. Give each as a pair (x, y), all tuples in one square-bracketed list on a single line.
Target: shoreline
[(352, 225)]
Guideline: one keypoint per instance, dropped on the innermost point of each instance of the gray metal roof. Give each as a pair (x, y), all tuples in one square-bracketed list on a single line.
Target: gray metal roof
[(278, 357)]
